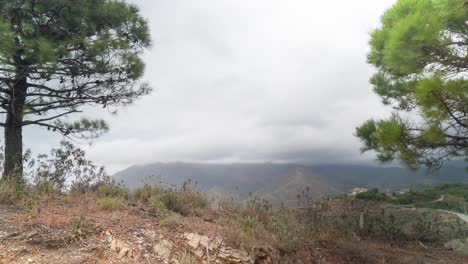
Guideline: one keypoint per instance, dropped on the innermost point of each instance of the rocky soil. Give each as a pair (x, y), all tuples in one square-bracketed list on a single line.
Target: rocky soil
[(69, 231), (64, 229)]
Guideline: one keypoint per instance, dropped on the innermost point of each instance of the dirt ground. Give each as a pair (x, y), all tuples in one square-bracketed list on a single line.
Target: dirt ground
[(73, 229)]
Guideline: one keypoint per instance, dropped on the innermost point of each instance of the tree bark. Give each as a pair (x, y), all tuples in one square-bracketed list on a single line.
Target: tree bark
[(13, 166), (13, 163)]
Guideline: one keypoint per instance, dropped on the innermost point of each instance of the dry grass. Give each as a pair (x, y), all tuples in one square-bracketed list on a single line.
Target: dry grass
[(8, 192), (244, 226), (185, 202), (109, 203)]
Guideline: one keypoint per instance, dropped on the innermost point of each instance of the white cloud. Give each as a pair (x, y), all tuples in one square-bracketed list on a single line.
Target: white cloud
[(263, 80)]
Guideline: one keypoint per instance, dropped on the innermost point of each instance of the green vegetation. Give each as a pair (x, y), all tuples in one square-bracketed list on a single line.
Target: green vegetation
[(372, 194), (8, 192), (420, 55), (109, 203), (185, 201), (453, 197)]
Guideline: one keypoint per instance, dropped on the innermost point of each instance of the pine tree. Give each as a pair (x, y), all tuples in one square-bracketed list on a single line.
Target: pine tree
[(421, 54), (57, 56)]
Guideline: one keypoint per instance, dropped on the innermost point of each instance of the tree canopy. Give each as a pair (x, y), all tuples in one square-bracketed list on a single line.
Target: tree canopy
[(59, 55), (421, 56)]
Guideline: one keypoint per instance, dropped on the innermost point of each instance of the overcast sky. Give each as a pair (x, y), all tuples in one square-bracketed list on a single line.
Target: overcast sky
[(246, 80)]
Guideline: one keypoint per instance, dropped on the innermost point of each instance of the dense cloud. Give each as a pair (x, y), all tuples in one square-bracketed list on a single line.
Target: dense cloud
[(263, 80)]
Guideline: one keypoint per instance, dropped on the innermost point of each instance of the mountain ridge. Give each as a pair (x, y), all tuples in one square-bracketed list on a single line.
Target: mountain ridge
[(283, 181)]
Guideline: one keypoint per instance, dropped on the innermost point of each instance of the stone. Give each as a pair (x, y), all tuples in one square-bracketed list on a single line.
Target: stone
[(113, 245), (205, 241), (163, 249), (123, 252), (193, 240), (199, 253), (233, 255)]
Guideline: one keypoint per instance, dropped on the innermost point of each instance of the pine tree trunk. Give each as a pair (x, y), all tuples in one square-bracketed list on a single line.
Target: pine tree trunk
[(13, 163), (13, 166)]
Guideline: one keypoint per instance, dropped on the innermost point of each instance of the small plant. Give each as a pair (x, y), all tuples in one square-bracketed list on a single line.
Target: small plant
[(187, 258), (157, 205), (170, 220), (77, 227), (33, 210), (248, 224), (44, 187), (109, 203), (111, 189)]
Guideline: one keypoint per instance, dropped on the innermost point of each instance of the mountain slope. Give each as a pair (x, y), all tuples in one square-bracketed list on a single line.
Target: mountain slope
[(282, 182)]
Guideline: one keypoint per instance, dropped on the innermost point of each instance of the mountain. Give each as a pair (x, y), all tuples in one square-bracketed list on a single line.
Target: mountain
[(282, 182)]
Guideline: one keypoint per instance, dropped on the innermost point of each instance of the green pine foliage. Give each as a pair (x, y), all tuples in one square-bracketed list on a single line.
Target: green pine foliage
[(58, 56), (420, 53)]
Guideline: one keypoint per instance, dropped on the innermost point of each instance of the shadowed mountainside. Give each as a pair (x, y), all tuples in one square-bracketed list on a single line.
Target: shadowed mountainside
[(282, 182)]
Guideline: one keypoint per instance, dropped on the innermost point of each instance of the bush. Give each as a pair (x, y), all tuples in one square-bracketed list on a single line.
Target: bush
[(146, 192), (109, 203), (170, 220), (248, 224), (44, 187), (184, 202), (8, 192), (288, 230), (407, 198), (65, 168), (372, 194), (111, 189)]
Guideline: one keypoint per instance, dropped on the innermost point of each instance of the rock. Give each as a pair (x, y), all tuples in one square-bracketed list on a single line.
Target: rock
[(123, 252), (193, 240), (199, 252), (113, 245), (163, 249), (265, 255), (218, 241), (233, 255), (205, 241)]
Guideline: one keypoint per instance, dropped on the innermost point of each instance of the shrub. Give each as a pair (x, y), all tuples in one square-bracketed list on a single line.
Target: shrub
[(109, 203), (248, 223), (407, 198), (8, 192), (170, 220), (288, 230), (146, 192), (184, 202), (33, 210), (44, 187), (111, 189), (157, 205), (372, 194), (258, 208), (65, 168)]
